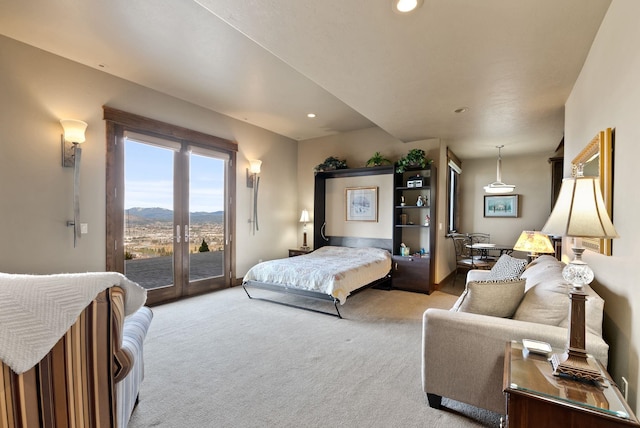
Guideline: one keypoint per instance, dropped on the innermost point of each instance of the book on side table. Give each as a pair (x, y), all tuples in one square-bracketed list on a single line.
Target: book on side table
[(537, 398)]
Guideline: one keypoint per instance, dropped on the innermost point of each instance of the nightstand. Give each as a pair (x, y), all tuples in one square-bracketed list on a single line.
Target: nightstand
[(537, 398), (298, 252)]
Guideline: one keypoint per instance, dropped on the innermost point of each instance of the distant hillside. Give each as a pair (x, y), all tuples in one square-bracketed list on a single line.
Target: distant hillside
[(147, 215)]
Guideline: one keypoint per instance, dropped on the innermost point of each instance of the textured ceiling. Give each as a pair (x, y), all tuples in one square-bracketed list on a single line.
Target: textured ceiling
[(355, 63)]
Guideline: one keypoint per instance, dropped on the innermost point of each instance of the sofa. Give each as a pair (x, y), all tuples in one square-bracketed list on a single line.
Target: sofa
[(463, 348), (91, 373)]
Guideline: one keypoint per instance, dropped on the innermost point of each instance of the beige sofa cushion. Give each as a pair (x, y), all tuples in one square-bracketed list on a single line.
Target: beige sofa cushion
[(493, 298), (546, 298)]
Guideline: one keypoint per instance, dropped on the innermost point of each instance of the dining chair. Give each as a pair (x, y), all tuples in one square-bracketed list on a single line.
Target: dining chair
[(464, 255)]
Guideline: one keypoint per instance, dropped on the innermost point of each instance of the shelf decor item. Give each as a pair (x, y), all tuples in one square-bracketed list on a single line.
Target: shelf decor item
[(330, 164), (416, 158), (377, 160)]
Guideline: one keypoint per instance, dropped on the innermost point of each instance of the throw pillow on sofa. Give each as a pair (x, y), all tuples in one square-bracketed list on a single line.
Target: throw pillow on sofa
[(507, 267), (493, 298)]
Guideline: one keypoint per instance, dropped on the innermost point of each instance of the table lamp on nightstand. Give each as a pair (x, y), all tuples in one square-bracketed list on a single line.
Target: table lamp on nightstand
[(579, 213), (304, 218)]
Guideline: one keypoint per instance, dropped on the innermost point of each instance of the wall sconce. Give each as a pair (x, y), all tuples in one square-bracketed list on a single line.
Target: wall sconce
[(253, 181), (72, 137), (253, 171), (304, 218)]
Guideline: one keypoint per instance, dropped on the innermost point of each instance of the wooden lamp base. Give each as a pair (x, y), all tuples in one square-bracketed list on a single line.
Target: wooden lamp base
[(573, 362)]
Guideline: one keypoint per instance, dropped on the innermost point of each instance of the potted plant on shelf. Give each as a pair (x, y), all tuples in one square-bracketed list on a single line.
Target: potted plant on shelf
[(377, 160), (331, 163), (416, 158)]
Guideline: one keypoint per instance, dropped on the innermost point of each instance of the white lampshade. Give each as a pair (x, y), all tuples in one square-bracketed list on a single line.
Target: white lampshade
[(580, 211), (74, 130), (254, 166), (304, 218), (534, 242)]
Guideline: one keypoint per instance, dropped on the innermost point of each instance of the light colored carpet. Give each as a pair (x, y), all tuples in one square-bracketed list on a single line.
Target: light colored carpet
[(223, 360)]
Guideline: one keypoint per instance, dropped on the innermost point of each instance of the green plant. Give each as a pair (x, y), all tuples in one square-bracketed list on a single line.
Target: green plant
[(416, 158), (330, 164), (377, 159)]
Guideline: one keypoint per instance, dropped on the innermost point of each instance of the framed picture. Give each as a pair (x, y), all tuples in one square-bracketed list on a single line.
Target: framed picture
[(361, 203), (501, 205)]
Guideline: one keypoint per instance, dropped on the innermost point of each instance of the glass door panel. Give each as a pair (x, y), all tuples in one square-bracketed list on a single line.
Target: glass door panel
[(207, 231), (149, 214)]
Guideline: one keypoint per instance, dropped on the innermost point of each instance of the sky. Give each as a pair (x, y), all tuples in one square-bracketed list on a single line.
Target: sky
[(149, 179)]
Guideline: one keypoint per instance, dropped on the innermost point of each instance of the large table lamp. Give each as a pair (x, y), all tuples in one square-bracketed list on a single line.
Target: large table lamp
[(579, 213)]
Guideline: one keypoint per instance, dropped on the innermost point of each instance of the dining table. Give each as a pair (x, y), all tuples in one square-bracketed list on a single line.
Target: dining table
[(487, 249)]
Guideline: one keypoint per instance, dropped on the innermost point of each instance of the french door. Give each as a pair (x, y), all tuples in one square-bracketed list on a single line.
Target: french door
[(173, 235)]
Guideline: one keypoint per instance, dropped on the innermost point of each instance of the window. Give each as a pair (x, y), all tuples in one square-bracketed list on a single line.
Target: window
[(453, 192)]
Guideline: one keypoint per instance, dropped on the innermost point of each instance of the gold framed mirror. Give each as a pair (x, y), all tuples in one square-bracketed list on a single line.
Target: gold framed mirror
[(597, 161)]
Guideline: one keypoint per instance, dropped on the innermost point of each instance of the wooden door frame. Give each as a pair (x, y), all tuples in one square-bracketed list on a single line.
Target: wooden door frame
[(117, 122)]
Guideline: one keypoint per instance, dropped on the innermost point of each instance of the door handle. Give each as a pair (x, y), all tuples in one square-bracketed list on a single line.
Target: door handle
[(178, 233)]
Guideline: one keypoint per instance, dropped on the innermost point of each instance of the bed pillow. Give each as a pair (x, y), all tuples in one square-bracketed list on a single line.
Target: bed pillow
[(493, 298), (507, 267)]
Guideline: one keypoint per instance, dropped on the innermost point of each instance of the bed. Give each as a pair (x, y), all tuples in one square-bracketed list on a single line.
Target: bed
[(329, 273)]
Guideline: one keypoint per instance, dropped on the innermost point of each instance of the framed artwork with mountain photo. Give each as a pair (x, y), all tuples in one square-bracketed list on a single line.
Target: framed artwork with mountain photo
[(501, 205)]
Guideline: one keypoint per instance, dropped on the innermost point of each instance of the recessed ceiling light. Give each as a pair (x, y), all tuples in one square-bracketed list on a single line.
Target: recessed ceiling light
[(311, 115), (461, 110), (405, 6)]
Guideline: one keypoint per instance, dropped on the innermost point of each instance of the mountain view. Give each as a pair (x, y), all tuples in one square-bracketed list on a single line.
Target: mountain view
[(149, 232), (145, 215)]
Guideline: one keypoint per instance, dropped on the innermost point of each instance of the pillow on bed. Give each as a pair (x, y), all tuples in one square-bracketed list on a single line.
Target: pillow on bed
[(493, 298), (507, 267)]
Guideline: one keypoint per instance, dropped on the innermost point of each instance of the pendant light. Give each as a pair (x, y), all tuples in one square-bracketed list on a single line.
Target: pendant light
[(498, 186)]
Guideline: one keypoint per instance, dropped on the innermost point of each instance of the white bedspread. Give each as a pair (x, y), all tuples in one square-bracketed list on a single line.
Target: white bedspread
[(37, 310), (335, 271)]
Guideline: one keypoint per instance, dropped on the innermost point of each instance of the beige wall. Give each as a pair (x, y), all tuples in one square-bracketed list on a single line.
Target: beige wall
[(607, 95), (532, 177), (38, 89)]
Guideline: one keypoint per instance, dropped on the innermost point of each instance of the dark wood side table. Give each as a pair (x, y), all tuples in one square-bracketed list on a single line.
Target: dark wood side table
[(537, 398), (298, 251)]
